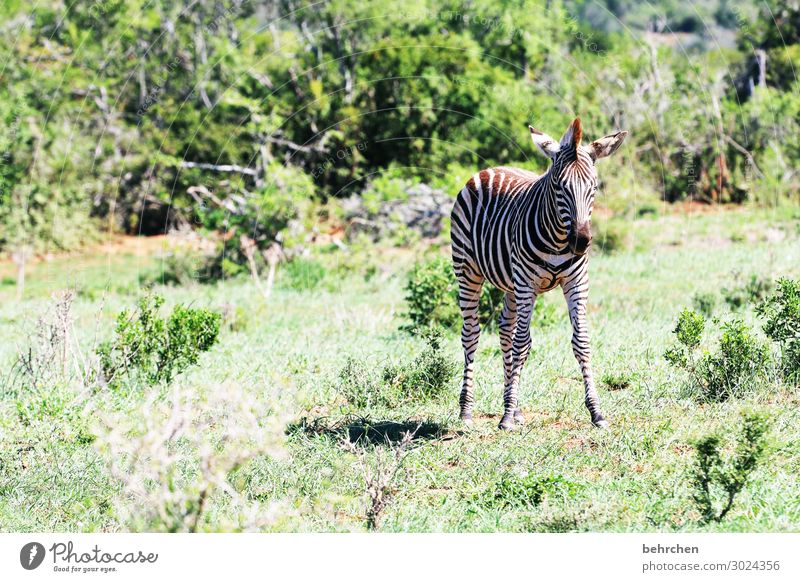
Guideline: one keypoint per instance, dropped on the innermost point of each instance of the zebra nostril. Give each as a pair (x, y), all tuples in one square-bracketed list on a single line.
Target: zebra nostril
[(580, 238)]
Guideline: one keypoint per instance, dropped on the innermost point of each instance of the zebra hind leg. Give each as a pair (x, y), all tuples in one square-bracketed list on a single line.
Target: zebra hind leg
[(506, 324), (469, 293), (520, 348)]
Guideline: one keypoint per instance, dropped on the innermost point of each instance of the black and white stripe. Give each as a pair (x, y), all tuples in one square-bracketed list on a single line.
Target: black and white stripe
[(527, 234)]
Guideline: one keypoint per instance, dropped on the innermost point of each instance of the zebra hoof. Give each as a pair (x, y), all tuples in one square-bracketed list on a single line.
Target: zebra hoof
[(467, 420), (518, 418), (507, 422)]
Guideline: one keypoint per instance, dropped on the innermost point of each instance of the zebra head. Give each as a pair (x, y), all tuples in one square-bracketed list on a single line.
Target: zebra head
[(573, 178)]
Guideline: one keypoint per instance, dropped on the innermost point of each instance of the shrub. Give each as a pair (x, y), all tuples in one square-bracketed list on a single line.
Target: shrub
[(179, 267), (47, 381), (782, 314), (753, 290), (717, 481), (303, 274), (169, 458), (428, 375), (380, 474), (522, 492), (647, 209), (610, 236), (704, 303), (425, 377), (689, 332), (361, 385), (432, 298), (739, 362), (617, 380), (156, 348), (431, 295), (51, 356)]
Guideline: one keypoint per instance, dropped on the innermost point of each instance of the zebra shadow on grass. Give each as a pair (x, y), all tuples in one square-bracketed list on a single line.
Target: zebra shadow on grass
[(364, 430)]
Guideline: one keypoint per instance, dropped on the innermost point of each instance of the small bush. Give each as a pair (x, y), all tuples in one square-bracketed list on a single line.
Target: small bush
[(180, 267), (753, 290), (718, 481), (522, 492), (689, 332), (428, 375), (361, 385), (380, 474), (782, 314), (617, 380), (704, 303), (610, 236), (431, 295), (303, 274), (735, 368), (169, 458), (432, 299), (154, 347), (647, 209)]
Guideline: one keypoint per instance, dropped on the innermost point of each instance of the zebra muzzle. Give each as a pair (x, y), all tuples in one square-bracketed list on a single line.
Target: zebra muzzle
[(581, 238)]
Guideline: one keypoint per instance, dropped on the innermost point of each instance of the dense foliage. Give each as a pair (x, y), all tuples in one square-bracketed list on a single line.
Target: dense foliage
[(782, 314), (718, 481), (736, 367), (156, 348), (241, 118)]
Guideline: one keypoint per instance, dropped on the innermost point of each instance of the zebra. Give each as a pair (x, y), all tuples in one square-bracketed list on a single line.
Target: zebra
[(527, 234)]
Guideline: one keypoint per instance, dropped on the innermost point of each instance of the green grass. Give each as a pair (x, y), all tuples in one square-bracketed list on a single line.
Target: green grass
[(634, 477)]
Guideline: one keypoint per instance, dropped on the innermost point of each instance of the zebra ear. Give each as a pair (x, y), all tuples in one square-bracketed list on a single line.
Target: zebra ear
[(572, 137), (546, 144), (605, 146)]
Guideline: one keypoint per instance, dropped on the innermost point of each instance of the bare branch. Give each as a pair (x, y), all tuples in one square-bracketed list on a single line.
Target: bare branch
[(220, 168)]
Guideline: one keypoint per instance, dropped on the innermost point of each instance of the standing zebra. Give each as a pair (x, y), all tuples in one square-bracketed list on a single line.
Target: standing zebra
[(526, 234)]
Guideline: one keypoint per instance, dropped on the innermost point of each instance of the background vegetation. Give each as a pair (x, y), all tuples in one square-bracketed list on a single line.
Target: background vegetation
[(241, 117)]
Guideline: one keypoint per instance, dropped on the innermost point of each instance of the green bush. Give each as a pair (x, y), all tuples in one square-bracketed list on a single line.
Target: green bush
[(424, 378), (689, 332), (303, 274), (155, 348), (362, 387), (617, 380), (734, 369), (610, 236), (782, 314), (718, 481), (753, 290), (739, 363), (704, 303), (182, 266), (431, 295), (432, 299), (523, 492), (428, 375)]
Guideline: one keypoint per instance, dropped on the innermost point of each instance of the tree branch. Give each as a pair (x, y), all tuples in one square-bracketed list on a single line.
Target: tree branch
[(220, 168)]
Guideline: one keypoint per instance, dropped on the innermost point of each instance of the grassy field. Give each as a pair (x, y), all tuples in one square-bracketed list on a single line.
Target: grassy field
[(63, 445)]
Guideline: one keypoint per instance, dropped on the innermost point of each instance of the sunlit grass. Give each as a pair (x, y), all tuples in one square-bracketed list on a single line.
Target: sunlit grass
[(633, 477)]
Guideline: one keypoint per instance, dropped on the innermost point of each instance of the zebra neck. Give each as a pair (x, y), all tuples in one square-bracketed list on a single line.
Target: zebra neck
[(544, 219)]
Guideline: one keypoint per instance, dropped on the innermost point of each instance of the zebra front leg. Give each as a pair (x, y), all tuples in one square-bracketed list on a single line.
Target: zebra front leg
[(469, 294), (576, 295), (521, 346), (508, 319)]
